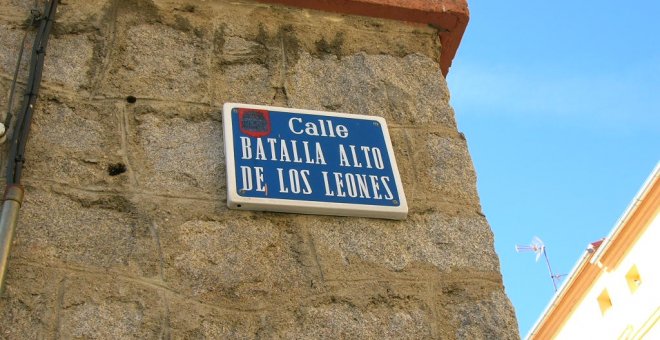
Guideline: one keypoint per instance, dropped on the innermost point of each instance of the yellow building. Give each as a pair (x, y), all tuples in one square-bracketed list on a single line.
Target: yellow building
[(614, 290)]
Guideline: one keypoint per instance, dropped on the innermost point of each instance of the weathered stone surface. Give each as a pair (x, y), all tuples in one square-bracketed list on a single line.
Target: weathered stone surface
[(178, 150), (369, 249), (243, 84), (490, 318), (89, 230), (236, 50), (82, 161), (342, 320), (26, 308), (11, 36), (443, 169), (157, 61), (69, 61), (196, 321), (17, 5), (380, 311), (111, 310), (5, 85), (81, 16), (245, 261), (449, 17), (288, 31), (401, 143), (378, 85), (370, 310)]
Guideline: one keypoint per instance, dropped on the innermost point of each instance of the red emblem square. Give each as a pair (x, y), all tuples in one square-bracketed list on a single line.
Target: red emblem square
[(253, 122)]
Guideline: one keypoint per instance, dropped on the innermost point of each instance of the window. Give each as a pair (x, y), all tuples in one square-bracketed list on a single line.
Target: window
[(633, 278), (604, 302)]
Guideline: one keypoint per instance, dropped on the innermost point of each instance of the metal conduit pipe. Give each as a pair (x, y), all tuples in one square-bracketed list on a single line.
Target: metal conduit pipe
[(12, 204)]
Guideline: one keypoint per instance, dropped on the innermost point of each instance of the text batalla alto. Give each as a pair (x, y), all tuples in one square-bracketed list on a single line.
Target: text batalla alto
[(341, 184)]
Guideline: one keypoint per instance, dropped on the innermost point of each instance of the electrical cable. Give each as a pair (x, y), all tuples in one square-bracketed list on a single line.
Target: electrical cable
[(10, 103), (24, 120), (14, 192)]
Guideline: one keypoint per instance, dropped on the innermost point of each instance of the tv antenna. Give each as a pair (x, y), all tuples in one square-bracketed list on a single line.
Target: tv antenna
[(537, 246)]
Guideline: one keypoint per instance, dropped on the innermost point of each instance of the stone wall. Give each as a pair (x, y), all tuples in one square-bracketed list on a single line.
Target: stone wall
[(153, 252)]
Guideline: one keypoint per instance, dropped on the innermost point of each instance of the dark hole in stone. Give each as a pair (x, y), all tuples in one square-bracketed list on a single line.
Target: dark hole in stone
[(238, 206), (116, 169), (131, 99)]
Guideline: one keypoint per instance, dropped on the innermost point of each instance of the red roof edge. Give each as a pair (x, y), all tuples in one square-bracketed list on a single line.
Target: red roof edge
[(594, 245), (450, 17)]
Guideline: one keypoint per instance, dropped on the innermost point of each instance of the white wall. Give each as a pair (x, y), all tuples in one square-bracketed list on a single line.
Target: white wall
[(630, 311)]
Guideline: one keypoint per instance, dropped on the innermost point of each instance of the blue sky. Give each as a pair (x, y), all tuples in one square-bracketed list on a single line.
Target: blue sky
[(560, 103)]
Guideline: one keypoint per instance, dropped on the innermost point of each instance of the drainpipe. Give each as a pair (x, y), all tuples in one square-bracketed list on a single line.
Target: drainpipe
[(12, 203)]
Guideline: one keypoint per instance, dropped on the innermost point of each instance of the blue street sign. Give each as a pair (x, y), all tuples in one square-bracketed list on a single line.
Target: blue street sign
[(312, 162)]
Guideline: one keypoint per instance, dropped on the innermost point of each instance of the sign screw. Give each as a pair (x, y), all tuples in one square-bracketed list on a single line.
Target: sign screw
[(242, 191), (376, 123), (395, 202)]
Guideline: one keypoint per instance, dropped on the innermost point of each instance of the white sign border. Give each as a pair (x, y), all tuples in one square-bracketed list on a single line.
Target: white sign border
[(235, 201)]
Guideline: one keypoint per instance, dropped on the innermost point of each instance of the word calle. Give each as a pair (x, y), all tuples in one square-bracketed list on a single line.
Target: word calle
[(324, 128)]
